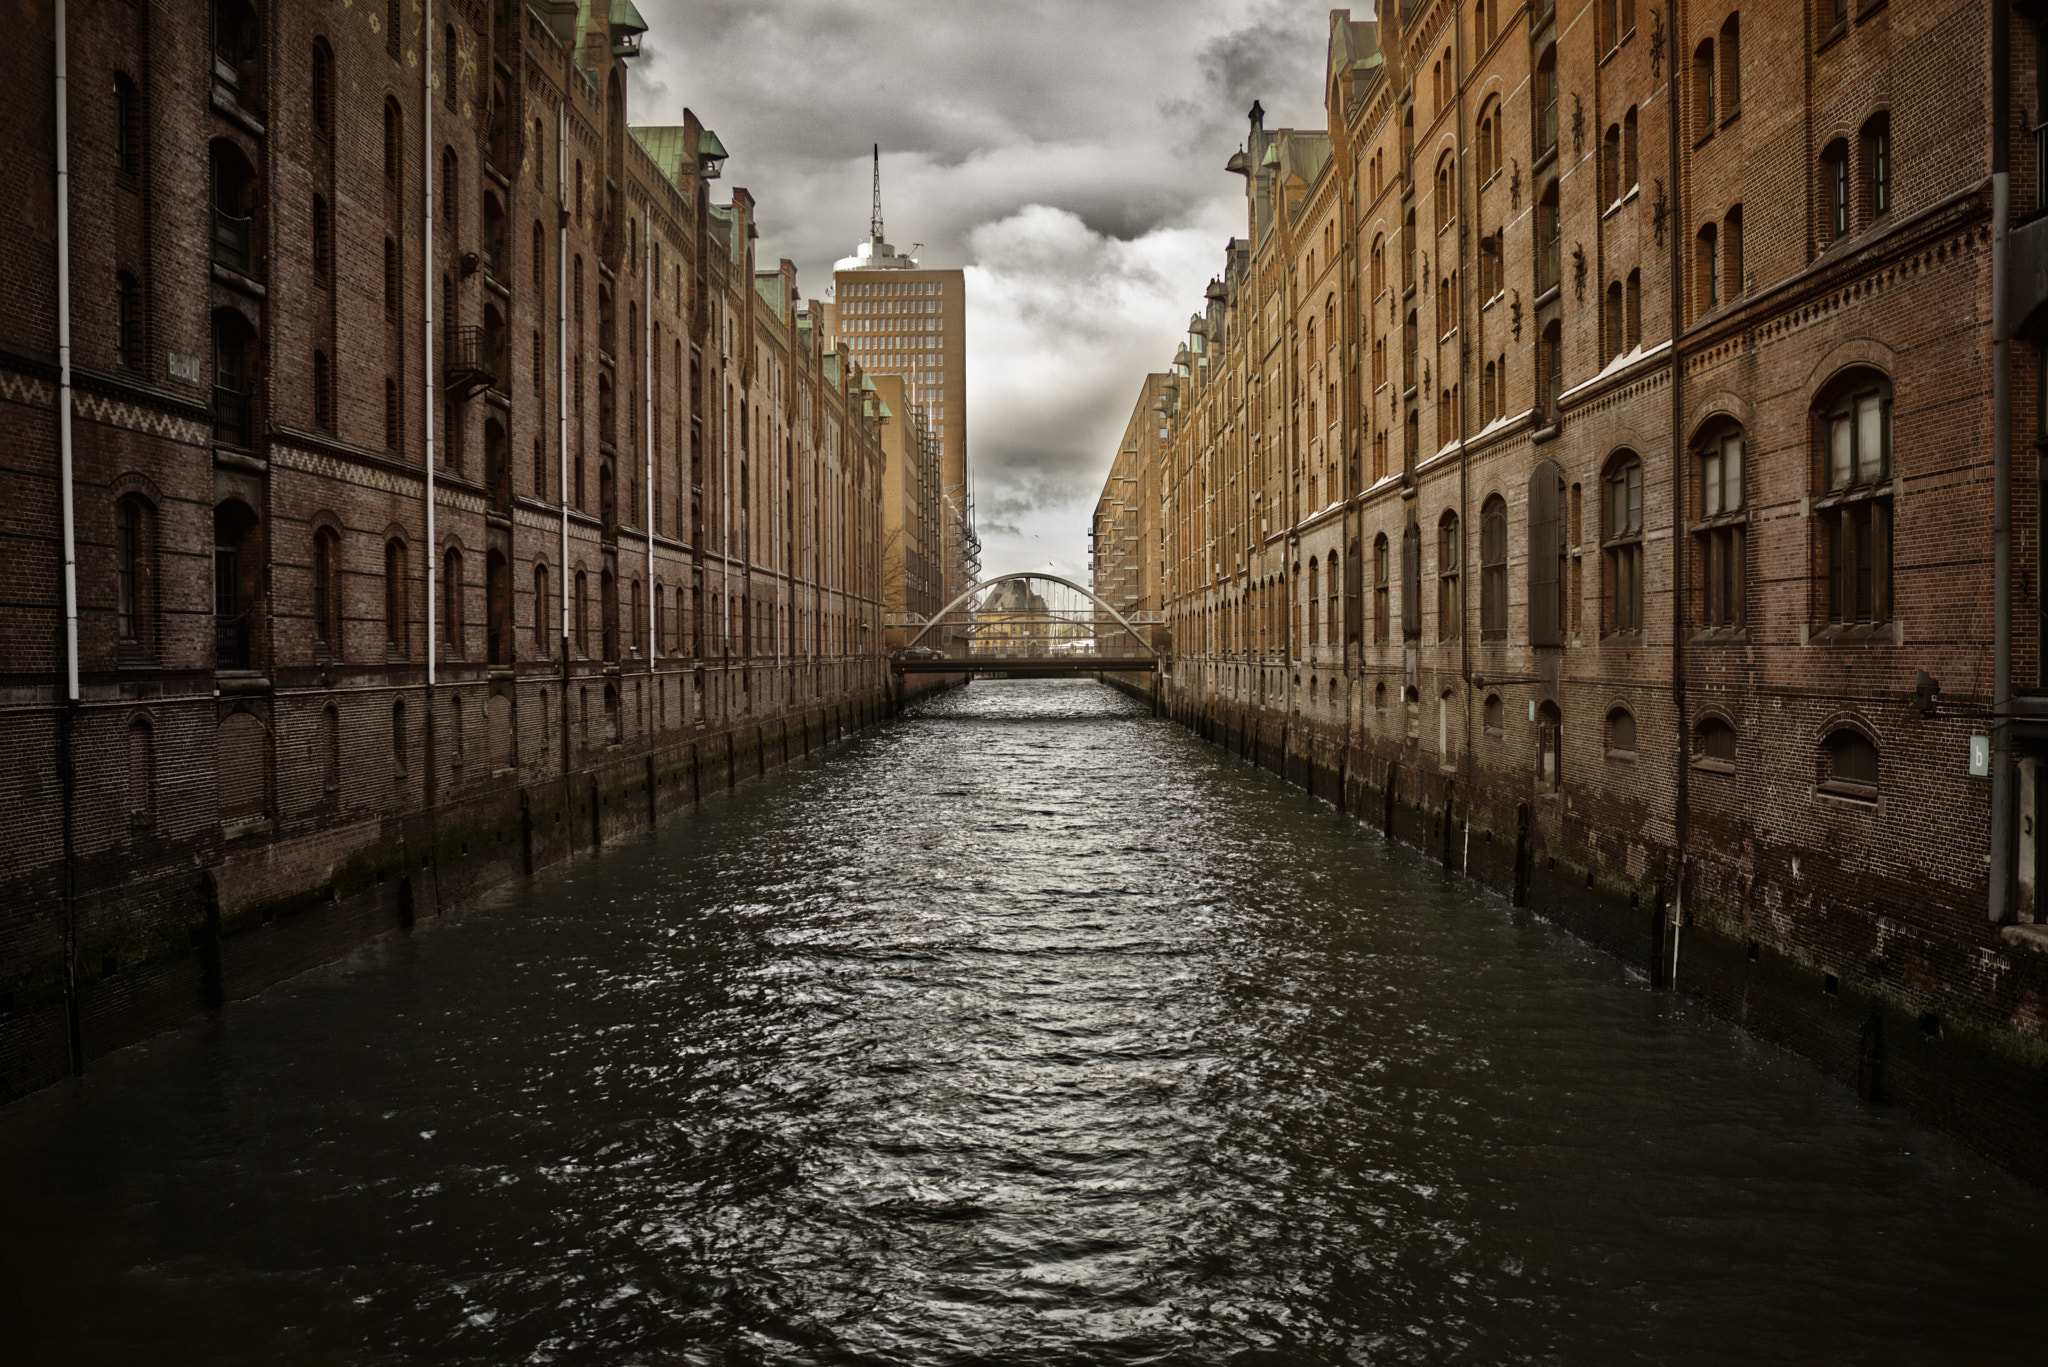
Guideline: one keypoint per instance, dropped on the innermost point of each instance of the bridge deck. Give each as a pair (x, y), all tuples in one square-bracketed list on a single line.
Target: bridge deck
[(1030, 667)]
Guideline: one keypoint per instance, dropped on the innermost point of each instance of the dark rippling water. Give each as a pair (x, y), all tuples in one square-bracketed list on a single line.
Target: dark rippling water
[(1026, 1030)]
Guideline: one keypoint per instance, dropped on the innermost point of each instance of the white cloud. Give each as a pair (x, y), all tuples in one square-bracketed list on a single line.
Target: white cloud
[(1068, 154)]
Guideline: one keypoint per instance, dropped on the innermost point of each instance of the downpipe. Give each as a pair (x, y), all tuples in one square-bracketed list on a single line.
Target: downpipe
[(1998, 908), (67, 721)]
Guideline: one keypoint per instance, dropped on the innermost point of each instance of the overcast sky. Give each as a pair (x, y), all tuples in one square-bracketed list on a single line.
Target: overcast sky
[(1068, 154)]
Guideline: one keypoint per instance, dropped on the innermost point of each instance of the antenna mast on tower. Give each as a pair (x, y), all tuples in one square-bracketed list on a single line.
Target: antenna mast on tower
[(875, 220)]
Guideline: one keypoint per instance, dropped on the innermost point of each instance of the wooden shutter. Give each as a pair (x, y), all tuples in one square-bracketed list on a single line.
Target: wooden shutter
[(1544, 629)]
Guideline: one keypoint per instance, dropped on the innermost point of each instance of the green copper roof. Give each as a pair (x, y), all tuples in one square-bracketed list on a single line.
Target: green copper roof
[(625, 18), (669, 149), (768, 284)]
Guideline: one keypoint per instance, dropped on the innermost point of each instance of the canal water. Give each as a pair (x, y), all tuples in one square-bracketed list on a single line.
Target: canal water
[(1027, 1029)]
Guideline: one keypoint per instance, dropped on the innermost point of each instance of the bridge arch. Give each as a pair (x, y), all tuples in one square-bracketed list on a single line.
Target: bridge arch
[(987, 584)]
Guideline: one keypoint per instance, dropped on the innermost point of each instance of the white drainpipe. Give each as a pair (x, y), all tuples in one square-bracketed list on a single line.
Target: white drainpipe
[(427, 287), (562, 377), (65, 483), (647, 397)]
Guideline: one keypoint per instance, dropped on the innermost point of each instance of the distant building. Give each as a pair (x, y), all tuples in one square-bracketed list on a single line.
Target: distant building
[(900, 318), (1126, 545), (913, 519)]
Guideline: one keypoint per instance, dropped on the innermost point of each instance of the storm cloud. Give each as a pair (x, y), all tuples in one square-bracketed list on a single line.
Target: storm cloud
[(1067, 155)]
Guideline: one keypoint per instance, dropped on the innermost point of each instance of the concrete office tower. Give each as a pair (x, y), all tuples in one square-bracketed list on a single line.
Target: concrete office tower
[(900, 318)]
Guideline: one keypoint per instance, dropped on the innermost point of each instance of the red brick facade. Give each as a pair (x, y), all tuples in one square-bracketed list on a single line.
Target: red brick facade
[(1453, 532), (307, 708)]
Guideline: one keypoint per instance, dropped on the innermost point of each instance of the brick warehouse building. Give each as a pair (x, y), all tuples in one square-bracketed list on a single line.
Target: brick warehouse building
[(1583, 454), (450, 490)]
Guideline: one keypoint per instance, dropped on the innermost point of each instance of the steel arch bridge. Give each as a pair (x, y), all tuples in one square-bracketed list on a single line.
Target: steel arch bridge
[(1032, 625)]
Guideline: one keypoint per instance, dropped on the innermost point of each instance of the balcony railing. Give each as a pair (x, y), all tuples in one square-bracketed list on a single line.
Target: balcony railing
[(231, 241), (469, 359)]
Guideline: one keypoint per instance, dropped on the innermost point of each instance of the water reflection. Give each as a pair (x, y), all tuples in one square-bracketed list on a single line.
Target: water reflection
[(1027, 1030)]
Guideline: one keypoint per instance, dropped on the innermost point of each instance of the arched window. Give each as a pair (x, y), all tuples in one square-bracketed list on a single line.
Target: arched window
[(1621, 735), (234, 199), (1379, 265), (1486, 145), (322, 94), (1632, 310), (448, 66), (1545, 98), (1382, 589), (1547, 552), (451, 602), (540, 256), (1854, 423), (237, 37), (127, 127), (1849, 765), (543, 621), (1731, 67), (394, 134), (1549, 748), (1612, 328), (1450, 609), (1493, 569), (1723, 527), (397, 640), (1628, 176), (134, 574), (1493, 715), (1446, 190), (1713, 747), (326, 594), (1610, 166), (1703, 90), (1622, 542)]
